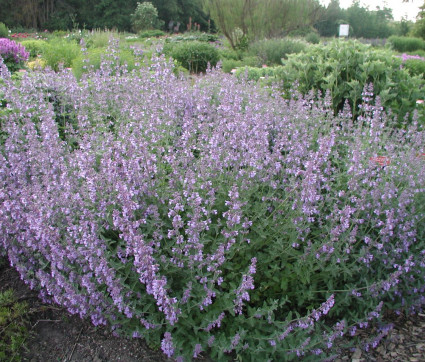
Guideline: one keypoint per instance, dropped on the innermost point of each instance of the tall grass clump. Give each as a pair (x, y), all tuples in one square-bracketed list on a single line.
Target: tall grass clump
[(406, 44), (207, 215), (272, 51), (90, 59), (4, 31), (98, 38), (59, 53)]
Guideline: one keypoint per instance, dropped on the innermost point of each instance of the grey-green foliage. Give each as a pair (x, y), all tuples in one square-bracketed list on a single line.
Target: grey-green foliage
[(145, 17), (344, 68)]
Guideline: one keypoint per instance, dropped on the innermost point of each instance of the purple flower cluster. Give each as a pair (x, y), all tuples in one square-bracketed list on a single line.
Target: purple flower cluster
[(146, 199), (167, 344), (405, 57), (247, 283), (11, 50)]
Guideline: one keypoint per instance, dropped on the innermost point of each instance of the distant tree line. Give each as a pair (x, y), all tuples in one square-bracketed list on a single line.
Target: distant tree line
[(252, 18), (364, 23), (91, 14)]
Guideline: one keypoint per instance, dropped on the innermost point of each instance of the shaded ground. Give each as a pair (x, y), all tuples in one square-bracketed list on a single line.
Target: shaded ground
[(56, 335)]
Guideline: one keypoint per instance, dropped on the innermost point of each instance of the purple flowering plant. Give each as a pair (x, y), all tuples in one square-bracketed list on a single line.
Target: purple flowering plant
[(13, 54), (210, 215)]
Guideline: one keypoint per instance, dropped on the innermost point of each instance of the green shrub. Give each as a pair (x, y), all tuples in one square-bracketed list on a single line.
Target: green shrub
[(145, 17), (4, 31), (59, 52), (272, 51), (415, 66), (344, 68), (406, 44), (99, 38), (151, 33), (312, 38), (193, 36), (94, 59), (230, 54), (34, 47), (60, 33), (194, 55), (253, 73), (420, 53), (300, 33), (228, 64)]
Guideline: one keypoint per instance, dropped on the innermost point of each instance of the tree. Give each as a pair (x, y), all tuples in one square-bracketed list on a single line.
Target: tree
[(419, 27), (257, 19), (64, 14), (181, 11), (330, 18), (369, 24), (145, 17), (111, 14), (29, 13)]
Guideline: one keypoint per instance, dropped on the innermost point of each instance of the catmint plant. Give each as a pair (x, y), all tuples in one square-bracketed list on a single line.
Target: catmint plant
[(209, 215)]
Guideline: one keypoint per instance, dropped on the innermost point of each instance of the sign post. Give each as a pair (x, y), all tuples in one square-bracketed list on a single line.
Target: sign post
[(344, 29)]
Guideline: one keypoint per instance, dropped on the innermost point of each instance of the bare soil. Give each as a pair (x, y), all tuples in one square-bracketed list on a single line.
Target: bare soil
[(55, 335)]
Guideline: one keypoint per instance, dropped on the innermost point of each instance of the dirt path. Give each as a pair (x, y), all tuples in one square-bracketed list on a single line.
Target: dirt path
[(56, 335)]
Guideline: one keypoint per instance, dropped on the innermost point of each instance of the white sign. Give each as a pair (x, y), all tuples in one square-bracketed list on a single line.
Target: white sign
[(343, 29)]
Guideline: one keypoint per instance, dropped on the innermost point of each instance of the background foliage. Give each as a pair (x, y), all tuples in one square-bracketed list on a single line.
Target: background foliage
[(259, 18)]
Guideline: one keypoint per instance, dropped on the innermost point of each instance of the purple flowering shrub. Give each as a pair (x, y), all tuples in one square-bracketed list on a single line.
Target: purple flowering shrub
[(13, 54), (208, 215), (415, 64)]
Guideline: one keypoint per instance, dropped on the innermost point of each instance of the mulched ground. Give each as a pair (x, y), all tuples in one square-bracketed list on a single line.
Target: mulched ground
[(55, 335)]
